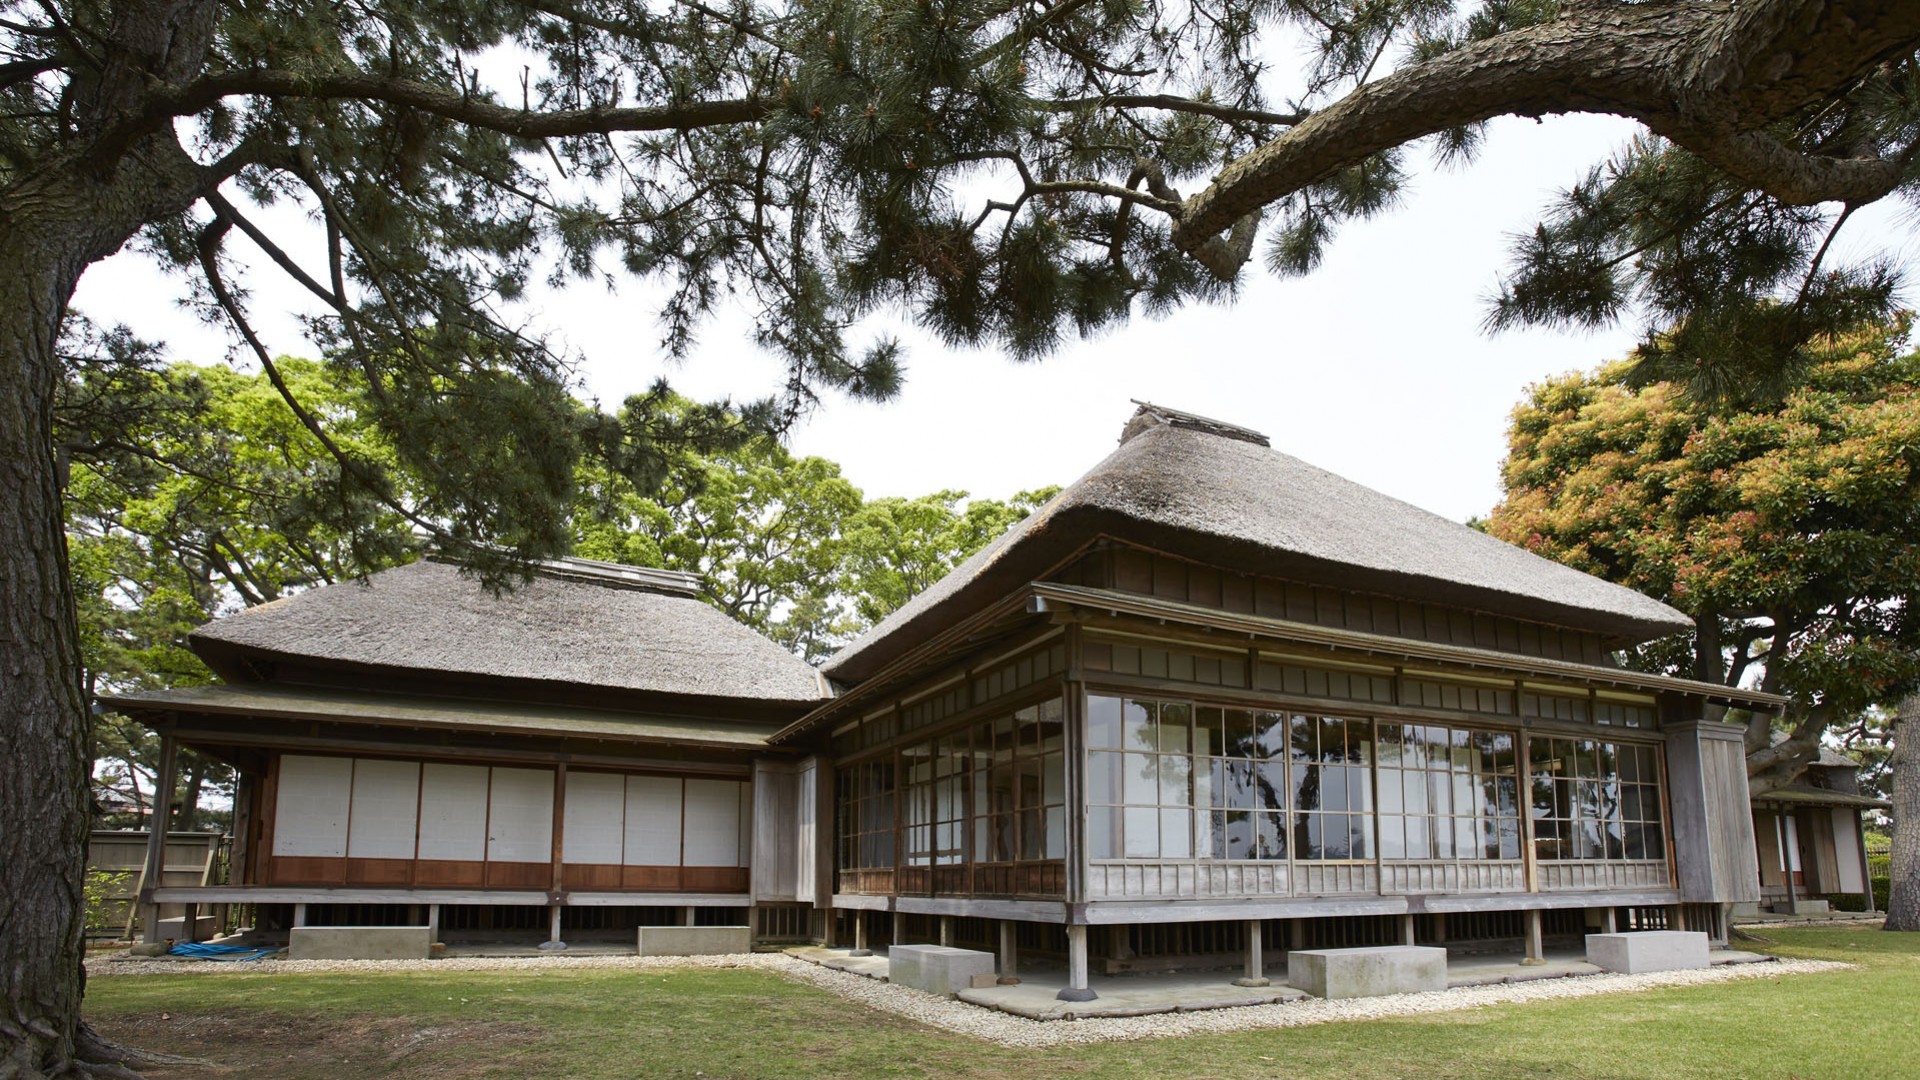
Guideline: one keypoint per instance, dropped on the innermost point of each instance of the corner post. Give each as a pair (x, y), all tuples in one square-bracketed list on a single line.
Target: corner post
[(1009, 959), (1077, 988)]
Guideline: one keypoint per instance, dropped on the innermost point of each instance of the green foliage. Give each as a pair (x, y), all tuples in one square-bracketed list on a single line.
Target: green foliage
[(1790, 531), (105, 896), (786, 544)]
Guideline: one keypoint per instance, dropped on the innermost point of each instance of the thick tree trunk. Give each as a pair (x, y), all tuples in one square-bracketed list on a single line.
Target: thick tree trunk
[(1903, 901), (53, 225), (43, 773)]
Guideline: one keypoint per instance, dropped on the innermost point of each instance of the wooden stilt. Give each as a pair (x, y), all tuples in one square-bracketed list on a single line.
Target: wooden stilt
[(860, 935), (299, 915), (1009, 960), (1296, 934), (433, 922), (1256, 974), (1077, 988), (1409, 932), (946, 931), (1609, 920), (1536, 946), (689, 916), (151, 876), (553, 928)]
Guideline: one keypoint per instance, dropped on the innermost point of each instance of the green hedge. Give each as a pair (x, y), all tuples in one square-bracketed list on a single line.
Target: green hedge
[(1882, 886)]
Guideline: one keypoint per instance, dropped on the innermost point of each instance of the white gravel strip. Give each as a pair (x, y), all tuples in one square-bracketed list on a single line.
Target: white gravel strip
[(1009, 1030)]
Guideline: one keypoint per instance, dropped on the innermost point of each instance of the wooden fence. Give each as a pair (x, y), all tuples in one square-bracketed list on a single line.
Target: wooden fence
[(116, 859)]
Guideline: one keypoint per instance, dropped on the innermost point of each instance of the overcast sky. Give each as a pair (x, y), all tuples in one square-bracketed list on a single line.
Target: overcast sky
[(1374, 367)]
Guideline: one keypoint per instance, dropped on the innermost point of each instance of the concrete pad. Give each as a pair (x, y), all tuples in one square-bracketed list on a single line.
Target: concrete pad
[(937, 969), (1803, 907), (1373, 971), (1124, 995), (695, 940), (358, 943), (1649, 950)]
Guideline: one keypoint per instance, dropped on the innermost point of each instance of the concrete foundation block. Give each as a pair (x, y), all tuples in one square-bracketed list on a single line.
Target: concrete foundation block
[(1368, 972), (1802, 907), (359, 943), (938, 969), (1648, 950), (695, 940)]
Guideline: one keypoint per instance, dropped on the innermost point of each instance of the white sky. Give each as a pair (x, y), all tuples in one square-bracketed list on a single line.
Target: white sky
[(1374, 367)]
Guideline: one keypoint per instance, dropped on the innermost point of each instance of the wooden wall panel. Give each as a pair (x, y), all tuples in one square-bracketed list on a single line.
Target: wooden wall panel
[(449, 874), (315, 794), (390, 872), (299, 870), (589, 877)]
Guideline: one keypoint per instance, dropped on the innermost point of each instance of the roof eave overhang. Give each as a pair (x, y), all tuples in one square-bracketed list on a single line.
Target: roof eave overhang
[(161, 708), (1390, 647), (1048, 596)]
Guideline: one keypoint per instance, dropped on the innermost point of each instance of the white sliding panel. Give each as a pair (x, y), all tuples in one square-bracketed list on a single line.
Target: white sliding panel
[(310, 814), (386, 806), (653, 821), (453, 812), (714, 823), (595, 822), (520, 816)]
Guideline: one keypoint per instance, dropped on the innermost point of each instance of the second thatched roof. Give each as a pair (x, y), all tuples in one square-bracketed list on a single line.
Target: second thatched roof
[(1216, 493), (577, 622)]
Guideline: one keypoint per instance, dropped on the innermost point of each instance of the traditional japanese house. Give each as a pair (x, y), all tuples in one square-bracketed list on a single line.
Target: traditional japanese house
[(413, 748), (1811, 840), (1212, 697), (1209, 700)]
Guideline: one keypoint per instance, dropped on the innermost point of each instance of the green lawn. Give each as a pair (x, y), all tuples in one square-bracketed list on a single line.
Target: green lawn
[(597, 1023)]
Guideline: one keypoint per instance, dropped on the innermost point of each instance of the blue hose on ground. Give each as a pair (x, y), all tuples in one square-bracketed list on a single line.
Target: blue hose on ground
[(197, 950)]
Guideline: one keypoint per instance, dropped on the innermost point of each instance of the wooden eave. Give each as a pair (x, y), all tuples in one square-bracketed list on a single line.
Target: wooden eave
[(1051, 595), (445, 715), (1042, 597)]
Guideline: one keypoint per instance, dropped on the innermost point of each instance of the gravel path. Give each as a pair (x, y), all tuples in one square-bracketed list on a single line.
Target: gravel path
[(1010, 1030)]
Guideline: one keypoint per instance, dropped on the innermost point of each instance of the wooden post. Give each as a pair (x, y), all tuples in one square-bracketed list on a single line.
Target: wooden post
[(1296, 934), (190, 922), (1866, 869), (689, 916), (1077, 988), (1119, 944), (299, 915), (1009, 952), (558, 849), (151, 875), (553, 928), (899, 927), (1676, 917), (860, 935), (946, 931), (1536, 946), (1256, 957), (433, 922), (1609, 920), (1409, 935), (1439, 924)]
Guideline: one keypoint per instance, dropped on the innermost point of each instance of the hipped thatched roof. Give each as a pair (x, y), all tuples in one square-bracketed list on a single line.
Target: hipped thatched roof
[(577, 622), (1217, 494)]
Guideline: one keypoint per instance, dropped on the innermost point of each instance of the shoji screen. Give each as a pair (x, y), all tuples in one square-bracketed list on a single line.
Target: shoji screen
[(453, 812), (386, 804), (596, 811), (310, 814), (713, 823), (653, 821), (520, 816)]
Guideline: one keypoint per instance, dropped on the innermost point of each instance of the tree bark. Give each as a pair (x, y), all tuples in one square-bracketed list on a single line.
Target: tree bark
[(43, 774), (1903, 899), (53, 225)]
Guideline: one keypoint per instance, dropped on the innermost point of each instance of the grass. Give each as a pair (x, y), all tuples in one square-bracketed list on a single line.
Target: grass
[(737, 1023)]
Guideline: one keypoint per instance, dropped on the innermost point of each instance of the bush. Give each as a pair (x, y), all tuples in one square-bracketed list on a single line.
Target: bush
[(105, 889)]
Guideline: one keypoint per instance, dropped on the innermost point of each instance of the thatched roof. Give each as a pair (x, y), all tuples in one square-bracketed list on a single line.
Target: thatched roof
[(1218, 494), (577, 622)]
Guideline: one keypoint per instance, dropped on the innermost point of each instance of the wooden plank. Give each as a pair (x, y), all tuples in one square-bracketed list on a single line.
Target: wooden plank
[(236, 894)]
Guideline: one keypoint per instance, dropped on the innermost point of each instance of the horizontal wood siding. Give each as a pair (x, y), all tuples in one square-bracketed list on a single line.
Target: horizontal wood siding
[(1587, 876), (1474, 876), (1152, 574)]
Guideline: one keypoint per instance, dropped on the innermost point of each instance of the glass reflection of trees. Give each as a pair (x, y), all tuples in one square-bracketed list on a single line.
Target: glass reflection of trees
[(1595, 800)]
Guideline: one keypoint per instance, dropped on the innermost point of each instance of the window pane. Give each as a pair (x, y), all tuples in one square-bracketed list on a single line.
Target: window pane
[(1173, 780), (1056, 839), (1138, 725), (1102, 832), (1418, 846), (1272, 839), (1103, 777), (1393, 837), (1271, 789), (1176, 834), (1103, 722), (1174, 721), (1142, 832), (1306, 786), (1209, 731)]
